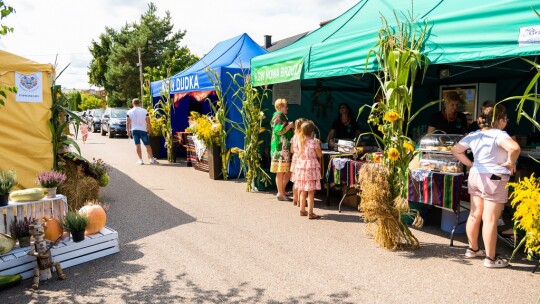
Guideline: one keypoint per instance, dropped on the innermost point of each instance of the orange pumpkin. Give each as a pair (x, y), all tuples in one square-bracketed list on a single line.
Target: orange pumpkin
[(96, 218), (53, 228)]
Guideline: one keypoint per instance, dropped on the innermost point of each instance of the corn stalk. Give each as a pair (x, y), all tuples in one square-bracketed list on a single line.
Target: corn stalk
[(163, 109), (399, 56), (251, 127)]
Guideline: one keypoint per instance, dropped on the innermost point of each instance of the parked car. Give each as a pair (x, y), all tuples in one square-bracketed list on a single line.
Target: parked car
[(113, 121), (93, 119)]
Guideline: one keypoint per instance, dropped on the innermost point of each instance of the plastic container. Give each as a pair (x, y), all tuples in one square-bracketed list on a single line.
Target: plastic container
[(448, 220)]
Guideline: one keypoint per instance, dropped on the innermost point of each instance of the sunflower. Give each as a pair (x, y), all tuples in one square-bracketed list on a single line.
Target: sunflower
[(393, 154), (408, 146), (391, 116)]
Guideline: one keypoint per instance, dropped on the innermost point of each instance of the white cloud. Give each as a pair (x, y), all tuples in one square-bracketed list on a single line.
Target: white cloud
[(48, 27)]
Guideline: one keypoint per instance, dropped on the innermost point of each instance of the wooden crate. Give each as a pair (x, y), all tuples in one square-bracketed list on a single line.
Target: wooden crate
[(50, 207), (67, 252)]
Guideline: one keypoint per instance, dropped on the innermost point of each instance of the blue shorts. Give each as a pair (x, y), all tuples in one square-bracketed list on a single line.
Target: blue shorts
[(140, 135)]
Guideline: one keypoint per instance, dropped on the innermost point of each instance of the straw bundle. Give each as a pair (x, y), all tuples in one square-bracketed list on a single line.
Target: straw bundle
[(78, 187), (381, 210)]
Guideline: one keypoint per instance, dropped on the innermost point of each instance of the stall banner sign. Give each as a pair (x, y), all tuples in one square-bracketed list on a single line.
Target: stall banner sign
[(529, 35), (278, 72), (292, 91), (29, 87)]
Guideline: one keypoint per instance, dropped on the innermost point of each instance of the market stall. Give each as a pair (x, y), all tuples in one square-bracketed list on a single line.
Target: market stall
[(192, 87), (25, 118)]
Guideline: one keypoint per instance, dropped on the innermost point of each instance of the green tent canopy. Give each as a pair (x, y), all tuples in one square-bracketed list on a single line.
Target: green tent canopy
[(459, 31)]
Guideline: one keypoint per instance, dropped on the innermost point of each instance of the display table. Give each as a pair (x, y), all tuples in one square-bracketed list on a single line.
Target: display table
[(197, 154), (66, 252), (437, 189), (341, 172)]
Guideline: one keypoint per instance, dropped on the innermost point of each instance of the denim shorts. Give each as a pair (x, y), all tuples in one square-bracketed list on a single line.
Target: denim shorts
[(140, 135)]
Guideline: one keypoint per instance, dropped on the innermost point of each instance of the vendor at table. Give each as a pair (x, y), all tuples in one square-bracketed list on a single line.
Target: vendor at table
[(344, 126), (475, 126), (449, 120)]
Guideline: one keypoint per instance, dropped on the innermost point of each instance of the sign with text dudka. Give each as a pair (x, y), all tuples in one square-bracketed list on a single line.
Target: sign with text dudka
[(29, 87)]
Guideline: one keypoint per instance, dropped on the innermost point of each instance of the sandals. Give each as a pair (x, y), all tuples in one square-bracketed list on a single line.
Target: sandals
[(303, 213), (313, 216), (497, 262), (471, 253), (283, 198)]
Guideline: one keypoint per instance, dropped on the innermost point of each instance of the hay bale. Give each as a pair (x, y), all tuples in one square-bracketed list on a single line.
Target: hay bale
[(78, 187)]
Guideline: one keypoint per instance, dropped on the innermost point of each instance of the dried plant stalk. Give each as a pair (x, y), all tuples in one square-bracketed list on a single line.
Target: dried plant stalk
[(380, 209)]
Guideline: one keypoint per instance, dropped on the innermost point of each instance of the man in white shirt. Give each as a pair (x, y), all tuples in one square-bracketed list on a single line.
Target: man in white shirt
[(138, 126)]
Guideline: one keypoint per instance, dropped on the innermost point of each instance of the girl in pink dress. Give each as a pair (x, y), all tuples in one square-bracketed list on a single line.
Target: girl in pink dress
[(307, 170), (295, 147), (84, 132)]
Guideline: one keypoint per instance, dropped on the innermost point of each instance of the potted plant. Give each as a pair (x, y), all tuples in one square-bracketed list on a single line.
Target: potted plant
[(20, 229), (8, 179), (208, 130), (50, 180), (75, 223), (100, 169), (156, 134)]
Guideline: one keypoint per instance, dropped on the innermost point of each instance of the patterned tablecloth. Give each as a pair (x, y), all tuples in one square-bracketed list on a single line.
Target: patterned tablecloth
[(434, 188), (343, 171), (197, 154)]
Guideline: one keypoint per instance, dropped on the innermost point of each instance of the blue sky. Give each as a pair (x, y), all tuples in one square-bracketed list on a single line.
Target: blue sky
[(45, 28)]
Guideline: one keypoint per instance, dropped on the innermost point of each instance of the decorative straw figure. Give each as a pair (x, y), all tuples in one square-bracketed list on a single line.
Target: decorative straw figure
[(45, 263)]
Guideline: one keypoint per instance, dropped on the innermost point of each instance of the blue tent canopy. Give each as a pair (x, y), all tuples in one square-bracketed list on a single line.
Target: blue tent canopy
[(232, 55), (229, 57)]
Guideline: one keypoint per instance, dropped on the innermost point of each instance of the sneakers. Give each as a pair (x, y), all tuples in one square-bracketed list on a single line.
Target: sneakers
[(497, 262), (471, 253), (153, 161), (140, 162)]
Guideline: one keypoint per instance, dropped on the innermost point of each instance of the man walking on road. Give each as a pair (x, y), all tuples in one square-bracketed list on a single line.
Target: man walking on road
[(138, 126)]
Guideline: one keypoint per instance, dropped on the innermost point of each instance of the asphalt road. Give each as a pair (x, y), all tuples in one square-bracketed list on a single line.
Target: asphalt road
[(188, 239)]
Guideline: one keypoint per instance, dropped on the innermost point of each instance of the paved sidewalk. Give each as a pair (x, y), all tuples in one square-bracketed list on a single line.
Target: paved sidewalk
[(188, 239)]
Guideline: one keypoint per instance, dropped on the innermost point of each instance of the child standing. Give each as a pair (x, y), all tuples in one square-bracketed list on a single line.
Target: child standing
[(84, 132), (295, 148), (307, 172)]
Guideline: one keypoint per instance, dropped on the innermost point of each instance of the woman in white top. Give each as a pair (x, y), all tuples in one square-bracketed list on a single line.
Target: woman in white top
[(495, 155)]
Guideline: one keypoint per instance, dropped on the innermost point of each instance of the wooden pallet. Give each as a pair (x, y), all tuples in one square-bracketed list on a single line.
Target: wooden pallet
[(67, 252)]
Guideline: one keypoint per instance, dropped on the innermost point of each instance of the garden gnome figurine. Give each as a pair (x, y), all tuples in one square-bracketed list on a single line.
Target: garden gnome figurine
[(43, 271)]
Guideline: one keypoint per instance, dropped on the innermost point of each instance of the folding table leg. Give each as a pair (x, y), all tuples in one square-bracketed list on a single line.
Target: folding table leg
[(341, 201)]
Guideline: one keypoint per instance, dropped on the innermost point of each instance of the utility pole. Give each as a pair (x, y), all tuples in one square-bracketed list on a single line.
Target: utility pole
[(141, 76)]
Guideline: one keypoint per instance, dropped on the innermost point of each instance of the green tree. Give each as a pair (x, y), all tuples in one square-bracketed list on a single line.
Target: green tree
[(90, 101), (115, 54)]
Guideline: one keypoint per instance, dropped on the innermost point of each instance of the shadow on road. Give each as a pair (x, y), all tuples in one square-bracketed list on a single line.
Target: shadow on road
[(135, 212)]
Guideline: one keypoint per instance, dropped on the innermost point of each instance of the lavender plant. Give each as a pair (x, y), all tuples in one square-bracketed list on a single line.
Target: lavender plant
[(51, 179)]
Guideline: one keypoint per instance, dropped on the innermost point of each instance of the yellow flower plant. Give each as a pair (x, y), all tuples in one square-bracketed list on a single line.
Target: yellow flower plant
[(408, 147), (526, 200), (391, 116), (393, 154)]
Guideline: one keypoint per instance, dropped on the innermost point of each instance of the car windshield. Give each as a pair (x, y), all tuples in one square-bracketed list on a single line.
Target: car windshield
[(98, 113), (119, 113)]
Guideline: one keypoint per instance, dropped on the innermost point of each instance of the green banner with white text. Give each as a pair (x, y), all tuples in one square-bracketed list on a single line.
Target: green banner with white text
[(276, 73)]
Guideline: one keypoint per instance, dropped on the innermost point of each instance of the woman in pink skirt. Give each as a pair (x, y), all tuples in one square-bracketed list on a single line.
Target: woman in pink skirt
[(295, 148), (307, 170)]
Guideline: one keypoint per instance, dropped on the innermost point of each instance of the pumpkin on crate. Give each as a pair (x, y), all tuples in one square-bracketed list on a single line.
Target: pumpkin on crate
[(97, 217), (53, 228)]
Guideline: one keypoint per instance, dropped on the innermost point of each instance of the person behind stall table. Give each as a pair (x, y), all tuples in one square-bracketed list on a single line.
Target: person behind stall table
[(280, 147), (344, 126), (475, 125), (449, 120), (295, 148), (495, 155)]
